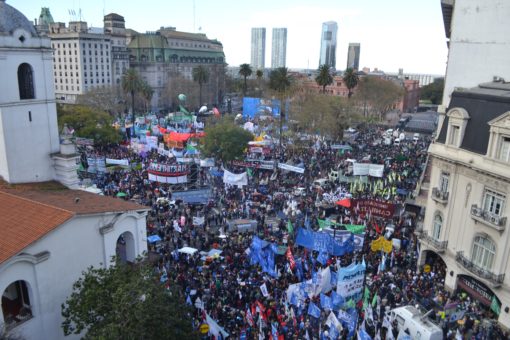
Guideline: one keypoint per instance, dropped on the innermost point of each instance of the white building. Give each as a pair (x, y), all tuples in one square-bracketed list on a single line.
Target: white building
[(258, 48), (48, 234), (115, 27), (279, 48), (466, 220), (81, 60), (328, 44), (479, 44)]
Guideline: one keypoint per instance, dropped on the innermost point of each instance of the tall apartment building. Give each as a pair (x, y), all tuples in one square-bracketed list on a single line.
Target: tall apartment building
[(279, 48), (115, 28), (466, 218), (81, 59), (353, 56), (258, 48), (328, 44)]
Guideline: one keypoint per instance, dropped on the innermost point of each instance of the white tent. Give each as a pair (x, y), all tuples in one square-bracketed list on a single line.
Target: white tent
[(188, 250)]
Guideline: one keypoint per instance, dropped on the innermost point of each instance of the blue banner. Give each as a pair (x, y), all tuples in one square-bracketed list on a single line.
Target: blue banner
[(323, 242), (313, 310), (262, 253), (326, 302)]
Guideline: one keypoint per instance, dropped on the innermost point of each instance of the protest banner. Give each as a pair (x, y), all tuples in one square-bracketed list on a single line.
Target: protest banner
[(374, 207), (235, 179), (165, 173), (350, 281), (324, 242), (292, 168)]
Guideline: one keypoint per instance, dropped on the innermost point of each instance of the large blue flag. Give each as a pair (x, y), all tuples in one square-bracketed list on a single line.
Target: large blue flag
[(313, 310), (326, 302)]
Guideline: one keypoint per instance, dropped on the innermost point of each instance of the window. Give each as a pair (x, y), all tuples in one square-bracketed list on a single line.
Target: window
[(493, 202), (454, 135), (436, 228), (26, 81), (484, 251), (504, 151), (16, 306)]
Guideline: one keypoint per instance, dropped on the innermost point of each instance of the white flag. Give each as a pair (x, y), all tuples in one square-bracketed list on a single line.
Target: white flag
[(263, 289)]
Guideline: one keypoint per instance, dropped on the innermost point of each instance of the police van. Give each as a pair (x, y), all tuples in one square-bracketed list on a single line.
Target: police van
[(415, 324)]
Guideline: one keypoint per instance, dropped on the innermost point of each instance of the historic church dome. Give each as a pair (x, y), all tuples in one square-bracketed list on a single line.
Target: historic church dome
[(12, 19)]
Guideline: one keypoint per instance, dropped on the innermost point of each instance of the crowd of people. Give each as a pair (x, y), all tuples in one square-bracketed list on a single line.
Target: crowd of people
[(248, 301)]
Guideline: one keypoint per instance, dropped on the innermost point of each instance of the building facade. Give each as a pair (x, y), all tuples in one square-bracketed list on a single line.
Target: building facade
[(328, 44), (115, 28), (465, 221), (258, 48), (81, 60), (163, 57), (279, 48), (353, 54), (28, 117), (471, 46)]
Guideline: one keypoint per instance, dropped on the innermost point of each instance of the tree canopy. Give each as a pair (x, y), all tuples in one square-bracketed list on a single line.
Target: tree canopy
[(125, 302), (433, 91), (201, 76), (351, 80), (109, 98), (131, 84), (377, 96), (88, 122), (324, 78), (245, 71), (224, 140)]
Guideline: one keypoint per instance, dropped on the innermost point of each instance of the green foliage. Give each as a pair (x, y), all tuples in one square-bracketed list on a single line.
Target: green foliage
[(280, 80), (245, 71), (433, 91), (351, 80), (378, 96), (131, 84), (201, 76), (225, 140), (324, 78), (125, 302), (89, 123)]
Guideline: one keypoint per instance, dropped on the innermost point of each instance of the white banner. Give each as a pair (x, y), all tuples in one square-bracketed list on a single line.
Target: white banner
[(323, 285), (152, 142), (124, 162), (350, 280), (208, 162), (376, 170), (235, 179), (198, 220), (263, 289), (291, 168), (168, 179)]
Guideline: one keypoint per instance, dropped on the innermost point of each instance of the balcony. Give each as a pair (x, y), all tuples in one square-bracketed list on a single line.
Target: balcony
[(496, 280), (486, 217), (440, 246), (439, 196)]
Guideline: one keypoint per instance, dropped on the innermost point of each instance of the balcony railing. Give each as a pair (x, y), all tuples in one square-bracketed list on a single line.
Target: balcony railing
[(439, 245), (439, 195), (492, 220), (495, 279)]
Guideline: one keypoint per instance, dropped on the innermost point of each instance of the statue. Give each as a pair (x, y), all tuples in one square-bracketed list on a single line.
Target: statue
[(66, 134)]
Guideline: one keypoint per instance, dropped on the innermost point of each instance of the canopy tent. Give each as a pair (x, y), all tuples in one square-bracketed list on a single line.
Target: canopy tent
[(187, 250), (182, 137)]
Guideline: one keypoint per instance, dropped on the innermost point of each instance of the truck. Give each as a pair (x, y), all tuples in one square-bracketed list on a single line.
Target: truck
[(414, 323)]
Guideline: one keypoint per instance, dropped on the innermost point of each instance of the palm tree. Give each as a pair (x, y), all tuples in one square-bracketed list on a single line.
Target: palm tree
[(280, 81), (259, 74), (245, 71), (147, 93), (201, 76), (131, 83), (324, 78), (351, 80)]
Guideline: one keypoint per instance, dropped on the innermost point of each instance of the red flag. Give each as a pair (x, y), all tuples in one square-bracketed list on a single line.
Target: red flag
[(346, 202), (378, 229), (290, 258)]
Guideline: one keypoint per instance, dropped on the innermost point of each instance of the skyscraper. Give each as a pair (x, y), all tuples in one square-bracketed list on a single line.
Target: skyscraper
[(258, 48), (279, 48), (328, 44), (353, 56)]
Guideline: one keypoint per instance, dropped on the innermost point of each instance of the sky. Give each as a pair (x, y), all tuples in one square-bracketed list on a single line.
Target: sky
[(393, 34)]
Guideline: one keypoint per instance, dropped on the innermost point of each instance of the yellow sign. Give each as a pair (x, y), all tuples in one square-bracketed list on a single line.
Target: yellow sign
[(426, 268), (381, 244), (204, 328)]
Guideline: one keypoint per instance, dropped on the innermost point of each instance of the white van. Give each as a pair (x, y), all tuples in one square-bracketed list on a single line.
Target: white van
[(411, 321), (396, 142)]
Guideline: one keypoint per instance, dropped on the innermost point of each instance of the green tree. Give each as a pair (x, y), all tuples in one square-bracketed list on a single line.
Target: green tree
[(433, 91), (108, 98), (131, 84), (147, 92), (324, 78), (377, 95), (280, 81), (125, 302), (201, 76), (245, 71), (88, 122), (225, 140), (351, 80)]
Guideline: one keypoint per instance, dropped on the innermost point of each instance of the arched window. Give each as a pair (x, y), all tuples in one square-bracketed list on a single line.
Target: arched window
[(16, 306), (436, 228), (26, 81), (484, 251), (125, 249)]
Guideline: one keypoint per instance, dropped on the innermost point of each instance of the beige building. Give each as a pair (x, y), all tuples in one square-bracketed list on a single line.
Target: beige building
[(466, 220), (81, 59)]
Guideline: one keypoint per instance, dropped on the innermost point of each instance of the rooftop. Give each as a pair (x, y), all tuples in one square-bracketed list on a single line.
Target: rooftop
[(11, 19)]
